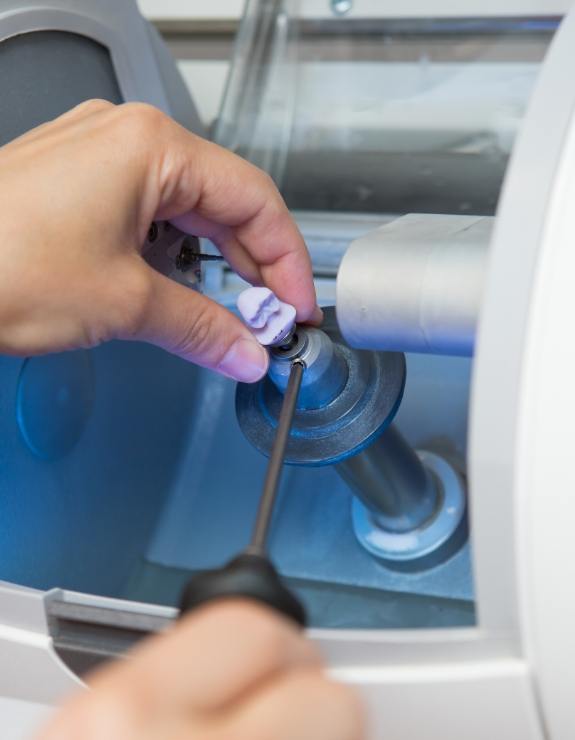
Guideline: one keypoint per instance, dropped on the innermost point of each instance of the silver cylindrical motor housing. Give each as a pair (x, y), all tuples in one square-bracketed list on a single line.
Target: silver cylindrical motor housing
[(415, 285)]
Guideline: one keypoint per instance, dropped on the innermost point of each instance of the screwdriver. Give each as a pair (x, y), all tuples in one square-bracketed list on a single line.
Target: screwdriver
[(251, 574)]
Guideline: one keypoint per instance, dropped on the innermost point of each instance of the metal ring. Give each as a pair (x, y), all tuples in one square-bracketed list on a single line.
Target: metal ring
[(436, 539), (322, 436)]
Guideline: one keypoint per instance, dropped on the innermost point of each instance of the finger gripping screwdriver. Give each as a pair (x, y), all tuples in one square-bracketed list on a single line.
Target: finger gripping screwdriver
[(251, 574)]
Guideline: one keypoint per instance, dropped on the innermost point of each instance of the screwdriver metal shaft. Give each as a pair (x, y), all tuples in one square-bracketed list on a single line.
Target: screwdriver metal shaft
[(273, 473), (251, 574)]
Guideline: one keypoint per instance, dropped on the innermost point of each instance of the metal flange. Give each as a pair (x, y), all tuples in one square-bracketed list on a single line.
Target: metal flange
[(432, 541), (347, 423)]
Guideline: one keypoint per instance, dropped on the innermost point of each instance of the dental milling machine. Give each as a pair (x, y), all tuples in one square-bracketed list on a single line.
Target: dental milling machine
[(325, 403)]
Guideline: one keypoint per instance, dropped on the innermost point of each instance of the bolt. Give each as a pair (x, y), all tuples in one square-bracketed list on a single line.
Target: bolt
[(288, 342), (188, 256)]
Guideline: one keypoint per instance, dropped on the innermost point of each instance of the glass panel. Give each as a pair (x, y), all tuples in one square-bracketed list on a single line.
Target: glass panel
[(381, 116)]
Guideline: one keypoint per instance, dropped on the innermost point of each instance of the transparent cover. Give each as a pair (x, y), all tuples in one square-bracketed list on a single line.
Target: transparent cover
[(377, 115)]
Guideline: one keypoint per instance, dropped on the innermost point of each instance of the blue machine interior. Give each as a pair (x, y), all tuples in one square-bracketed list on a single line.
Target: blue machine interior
[(123, 469)]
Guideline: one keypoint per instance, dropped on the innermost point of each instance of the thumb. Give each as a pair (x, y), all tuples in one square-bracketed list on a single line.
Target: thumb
[(196, 328)]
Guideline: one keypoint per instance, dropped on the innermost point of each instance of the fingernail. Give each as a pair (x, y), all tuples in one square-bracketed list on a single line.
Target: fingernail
[(246, 361)]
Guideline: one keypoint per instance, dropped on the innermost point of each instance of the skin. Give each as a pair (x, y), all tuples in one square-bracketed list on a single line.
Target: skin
[(78, 195), (200, 682)]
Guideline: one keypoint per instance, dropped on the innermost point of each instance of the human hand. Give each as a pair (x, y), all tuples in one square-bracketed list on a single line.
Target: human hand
[(77, 197), (230, 671)]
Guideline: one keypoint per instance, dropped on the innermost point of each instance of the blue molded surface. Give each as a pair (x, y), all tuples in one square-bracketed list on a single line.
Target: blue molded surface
[(55, 397), (83, 521), (151, 465)]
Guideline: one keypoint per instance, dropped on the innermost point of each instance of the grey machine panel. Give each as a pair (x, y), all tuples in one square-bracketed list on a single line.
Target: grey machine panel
[(45, 73), (55, 54)]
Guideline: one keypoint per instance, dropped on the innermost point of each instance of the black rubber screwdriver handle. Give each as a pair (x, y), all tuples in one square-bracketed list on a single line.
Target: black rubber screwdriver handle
[(251, 575), (247, 576)]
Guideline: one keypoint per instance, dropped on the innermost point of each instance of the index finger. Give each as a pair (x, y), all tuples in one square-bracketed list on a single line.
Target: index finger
[(211, 192)]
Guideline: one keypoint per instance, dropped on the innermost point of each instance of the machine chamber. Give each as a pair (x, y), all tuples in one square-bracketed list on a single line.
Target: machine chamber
[(437, 155)]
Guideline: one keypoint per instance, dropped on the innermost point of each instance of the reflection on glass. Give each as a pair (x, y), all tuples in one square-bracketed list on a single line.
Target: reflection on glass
[(381, 116)]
